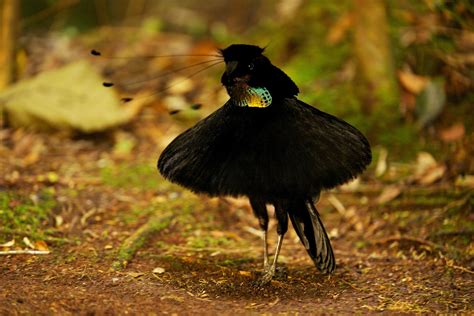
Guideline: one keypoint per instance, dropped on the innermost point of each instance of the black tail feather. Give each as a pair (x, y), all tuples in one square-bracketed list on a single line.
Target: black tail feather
[(309, 227)]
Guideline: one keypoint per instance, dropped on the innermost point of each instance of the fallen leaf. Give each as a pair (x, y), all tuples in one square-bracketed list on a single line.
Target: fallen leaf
[(245, 273), (34, 155), (41, 245), (430, 102), (465, 181), (424, 161), (173, 297), (381, 163), (351, 186), (136, 274), (433, 175), (452, 133), (388, 194), (70, 97), (158, 270), (58, 219), (10, 243), (334, 233), (28, 243), (411, 82)]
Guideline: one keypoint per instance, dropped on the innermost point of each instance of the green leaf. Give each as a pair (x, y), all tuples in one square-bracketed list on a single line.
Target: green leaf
[(71, 98)]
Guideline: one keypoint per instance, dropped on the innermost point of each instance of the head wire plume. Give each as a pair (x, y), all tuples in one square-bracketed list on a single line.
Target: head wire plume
[(205, 65)]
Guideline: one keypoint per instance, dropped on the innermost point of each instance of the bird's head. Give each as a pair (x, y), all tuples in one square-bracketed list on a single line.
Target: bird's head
[(250, 78)]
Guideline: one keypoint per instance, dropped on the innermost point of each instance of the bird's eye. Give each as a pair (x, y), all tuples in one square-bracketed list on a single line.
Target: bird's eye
[(251, 66)]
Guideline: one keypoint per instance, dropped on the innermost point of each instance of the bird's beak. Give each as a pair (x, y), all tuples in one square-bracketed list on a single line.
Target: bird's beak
[(230, 67)]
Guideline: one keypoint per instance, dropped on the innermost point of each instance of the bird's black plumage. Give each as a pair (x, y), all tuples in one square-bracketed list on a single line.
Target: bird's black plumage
[(282, 154), (287, 150)]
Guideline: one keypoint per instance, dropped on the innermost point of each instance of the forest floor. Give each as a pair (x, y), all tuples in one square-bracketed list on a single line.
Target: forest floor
[(402, 243)]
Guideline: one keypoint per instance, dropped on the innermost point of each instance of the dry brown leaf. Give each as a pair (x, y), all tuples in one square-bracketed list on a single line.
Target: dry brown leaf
[(34, 155), (245, 273), (453, 133), (433, 175), (41, 245), (389, 193), (465, 181), (411, 82), (136, 274)]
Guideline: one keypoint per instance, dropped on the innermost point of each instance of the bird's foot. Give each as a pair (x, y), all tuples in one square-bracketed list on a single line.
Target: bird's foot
[(267, 277), (270, 272)]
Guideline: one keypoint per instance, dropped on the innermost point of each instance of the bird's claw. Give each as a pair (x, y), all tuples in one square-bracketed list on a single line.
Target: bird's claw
[(266, 278), (268, 273)]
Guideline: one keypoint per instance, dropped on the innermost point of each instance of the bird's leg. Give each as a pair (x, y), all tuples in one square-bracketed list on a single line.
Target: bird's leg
[(282, 228), (260, 210), (265, 251)]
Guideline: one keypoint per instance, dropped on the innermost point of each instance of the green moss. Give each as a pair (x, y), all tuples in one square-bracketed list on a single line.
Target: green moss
[(25, 214), (156, 223), (142, 176), (403, 140), (236, 262), (208, 242), (134, 215)]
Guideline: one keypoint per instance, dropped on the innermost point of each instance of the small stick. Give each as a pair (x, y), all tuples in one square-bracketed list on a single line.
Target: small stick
[(134, 242), (408, 238), (25, 252)]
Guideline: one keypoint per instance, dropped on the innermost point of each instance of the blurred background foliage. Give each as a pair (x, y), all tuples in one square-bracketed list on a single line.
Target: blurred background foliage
[(399, 70)]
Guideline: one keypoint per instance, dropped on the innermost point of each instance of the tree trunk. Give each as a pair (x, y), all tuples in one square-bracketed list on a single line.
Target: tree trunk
[(9, 13), (378, 87)]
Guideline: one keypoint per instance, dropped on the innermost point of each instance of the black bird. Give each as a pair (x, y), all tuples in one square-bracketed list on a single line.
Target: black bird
[(267, 145)]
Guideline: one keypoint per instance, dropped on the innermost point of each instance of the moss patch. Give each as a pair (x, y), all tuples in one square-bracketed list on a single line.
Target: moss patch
[(28, 215)]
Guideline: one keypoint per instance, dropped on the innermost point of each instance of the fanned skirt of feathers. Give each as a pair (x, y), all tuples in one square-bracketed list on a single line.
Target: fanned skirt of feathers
[(287, 150)]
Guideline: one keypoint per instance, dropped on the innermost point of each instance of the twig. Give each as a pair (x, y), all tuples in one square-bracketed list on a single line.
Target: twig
[(35, 236), (131, 245), (463, 269), (25, 252), (452, 233), (408, 238), (210, 249), (450, 263)]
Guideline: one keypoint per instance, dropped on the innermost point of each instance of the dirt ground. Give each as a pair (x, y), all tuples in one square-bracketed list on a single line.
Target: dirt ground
[(410, 253)]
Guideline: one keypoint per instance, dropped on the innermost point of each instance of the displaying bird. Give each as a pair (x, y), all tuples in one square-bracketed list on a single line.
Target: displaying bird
[(269, 146)]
